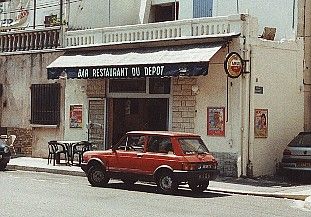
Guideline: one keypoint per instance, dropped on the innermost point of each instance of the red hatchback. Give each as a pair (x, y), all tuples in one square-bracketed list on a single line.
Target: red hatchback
[(166, 158)]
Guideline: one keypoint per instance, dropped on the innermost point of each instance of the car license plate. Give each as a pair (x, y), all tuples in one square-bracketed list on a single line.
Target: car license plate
[(204, 176), (303, 164)]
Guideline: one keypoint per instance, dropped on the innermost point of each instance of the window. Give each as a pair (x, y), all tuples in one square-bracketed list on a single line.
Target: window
[(164, 12), (127, 85), (156, 85), (45, 104), (160, 145), (202, 8)]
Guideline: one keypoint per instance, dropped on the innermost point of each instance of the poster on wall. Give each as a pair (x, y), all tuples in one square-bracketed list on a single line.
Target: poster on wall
[(261, 123), (75, 116), (216, 121)]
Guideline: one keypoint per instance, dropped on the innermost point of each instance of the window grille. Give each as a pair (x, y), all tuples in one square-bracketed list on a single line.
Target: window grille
[(45, 104)]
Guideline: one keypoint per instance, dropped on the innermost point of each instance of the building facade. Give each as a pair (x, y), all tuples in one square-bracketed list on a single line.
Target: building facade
[(141, 69)]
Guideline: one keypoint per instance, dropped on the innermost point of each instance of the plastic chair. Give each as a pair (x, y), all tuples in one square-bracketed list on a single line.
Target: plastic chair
[(79, 148), (55, 151), (11, 141), (52, 152)]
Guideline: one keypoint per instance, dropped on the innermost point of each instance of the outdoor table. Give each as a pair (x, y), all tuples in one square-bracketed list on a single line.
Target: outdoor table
[(75, 147)]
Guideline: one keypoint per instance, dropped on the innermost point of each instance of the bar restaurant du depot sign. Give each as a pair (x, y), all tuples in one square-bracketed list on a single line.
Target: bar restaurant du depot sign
[(131, 71)]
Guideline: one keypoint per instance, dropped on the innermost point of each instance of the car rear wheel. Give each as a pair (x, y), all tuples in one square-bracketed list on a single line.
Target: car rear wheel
[(97, 176), (198, 187), (167, 183)]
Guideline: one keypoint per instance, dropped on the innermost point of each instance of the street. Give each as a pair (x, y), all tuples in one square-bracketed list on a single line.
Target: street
[(43, 194)]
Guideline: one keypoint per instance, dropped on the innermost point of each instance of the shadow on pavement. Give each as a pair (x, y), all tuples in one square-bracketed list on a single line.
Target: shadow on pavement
[(285, 179), (149, 188)]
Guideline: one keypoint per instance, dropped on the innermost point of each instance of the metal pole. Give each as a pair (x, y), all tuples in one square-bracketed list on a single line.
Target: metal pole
[(61, 13), (175, 15), (34, 13)]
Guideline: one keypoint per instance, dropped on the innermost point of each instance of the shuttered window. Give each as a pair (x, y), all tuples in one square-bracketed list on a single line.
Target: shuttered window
[(45, 104), (202, 8)]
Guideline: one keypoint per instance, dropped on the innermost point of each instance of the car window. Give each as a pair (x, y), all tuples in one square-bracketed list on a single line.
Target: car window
[(303, 140), (135, 142), (193, 146), (160, 144)]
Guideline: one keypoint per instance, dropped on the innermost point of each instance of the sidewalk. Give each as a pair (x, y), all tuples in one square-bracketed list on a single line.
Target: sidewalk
[(257, 187)]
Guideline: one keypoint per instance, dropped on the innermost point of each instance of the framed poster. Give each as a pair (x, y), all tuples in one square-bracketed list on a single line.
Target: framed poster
[(75, 116), (261, 123), (216, 121)]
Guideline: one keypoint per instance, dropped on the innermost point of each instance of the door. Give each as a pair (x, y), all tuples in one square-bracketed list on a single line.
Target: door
[(96, 126), (128, 114)]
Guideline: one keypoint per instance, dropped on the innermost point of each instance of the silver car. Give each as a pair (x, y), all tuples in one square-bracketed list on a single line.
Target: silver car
[(297, 155)]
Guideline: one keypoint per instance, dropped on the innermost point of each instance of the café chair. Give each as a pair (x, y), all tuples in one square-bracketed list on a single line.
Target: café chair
[(52, 152), (79, 148), (55, 151)]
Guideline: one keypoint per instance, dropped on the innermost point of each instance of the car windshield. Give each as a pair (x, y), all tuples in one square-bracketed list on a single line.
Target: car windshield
[(303, 140), (193, 146)]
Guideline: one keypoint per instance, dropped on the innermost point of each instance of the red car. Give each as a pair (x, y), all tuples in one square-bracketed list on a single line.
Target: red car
[(166, 158)]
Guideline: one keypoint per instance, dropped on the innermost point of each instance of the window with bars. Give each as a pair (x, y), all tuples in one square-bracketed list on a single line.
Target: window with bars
[(45, 104)]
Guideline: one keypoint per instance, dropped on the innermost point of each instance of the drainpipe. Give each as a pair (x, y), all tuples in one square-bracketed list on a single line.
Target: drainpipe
[(246, 164)]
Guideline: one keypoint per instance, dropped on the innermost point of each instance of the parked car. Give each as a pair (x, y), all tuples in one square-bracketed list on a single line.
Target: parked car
[(5, 154), (297, 154), (166, 158)]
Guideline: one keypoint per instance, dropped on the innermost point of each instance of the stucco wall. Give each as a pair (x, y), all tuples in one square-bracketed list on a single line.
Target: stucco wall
[(18, 72), (277, 67)]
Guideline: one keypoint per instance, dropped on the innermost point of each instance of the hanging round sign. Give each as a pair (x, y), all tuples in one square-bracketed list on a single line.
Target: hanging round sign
[(233, 65)]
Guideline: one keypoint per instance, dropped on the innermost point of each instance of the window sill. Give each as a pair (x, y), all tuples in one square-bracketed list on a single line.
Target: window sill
[(43, 126)]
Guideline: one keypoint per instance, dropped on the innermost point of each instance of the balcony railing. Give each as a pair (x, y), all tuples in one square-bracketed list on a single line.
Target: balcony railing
[(26, 40), (154, 31), (39, 39)]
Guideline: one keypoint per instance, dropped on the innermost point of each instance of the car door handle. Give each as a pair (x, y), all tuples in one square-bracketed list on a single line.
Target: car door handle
[(140, 155)]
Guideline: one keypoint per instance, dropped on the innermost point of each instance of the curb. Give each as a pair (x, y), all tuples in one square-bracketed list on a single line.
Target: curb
[(38, 169), (264, 194)]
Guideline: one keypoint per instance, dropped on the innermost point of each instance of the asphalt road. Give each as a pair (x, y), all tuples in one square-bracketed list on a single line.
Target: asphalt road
[(42, 194)]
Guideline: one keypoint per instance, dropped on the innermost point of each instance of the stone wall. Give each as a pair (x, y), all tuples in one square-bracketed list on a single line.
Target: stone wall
[(23, 142), (184, 103), (227, 163)]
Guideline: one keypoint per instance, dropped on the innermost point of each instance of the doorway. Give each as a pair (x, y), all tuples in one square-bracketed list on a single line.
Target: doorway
[(128, 114)]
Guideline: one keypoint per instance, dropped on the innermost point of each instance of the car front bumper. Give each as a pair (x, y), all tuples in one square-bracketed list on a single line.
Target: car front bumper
[(4, 158), (198, 175)]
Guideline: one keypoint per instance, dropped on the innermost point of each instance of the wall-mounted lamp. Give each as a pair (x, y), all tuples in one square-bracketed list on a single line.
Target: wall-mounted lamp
[(195, 89)]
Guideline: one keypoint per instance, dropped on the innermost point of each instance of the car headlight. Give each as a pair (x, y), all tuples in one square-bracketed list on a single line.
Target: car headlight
[(6, 149)]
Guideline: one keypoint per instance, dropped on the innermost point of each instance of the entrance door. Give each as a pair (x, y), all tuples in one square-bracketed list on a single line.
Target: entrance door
[(130, 114), (96, 127)]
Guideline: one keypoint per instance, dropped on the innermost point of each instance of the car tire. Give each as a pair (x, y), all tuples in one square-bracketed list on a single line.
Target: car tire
[(97, 176), (198, 187), (2, 167), (129, 182), (166, 183)]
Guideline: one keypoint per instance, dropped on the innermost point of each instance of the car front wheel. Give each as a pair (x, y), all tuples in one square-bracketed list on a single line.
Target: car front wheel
[(2, 167), (198, 187), (167, 183), (97, 176)]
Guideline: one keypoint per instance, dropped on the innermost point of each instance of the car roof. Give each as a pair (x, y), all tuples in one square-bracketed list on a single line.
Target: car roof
[(163, 133)]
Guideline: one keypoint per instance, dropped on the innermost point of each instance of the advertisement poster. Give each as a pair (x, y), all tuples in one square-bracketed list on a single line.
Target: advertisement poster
[(75, 116), (216, 121), (261, 123)]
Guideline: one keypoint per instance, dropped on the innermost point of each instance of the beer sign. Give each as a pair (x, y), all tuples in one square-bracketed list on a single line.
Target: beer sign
[(233, 65)]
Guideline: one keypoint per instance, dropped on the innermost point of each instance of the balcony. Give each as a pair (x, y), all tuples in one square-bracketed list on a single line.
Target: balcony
[(50, 38), (27, 40), (154, 31)]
